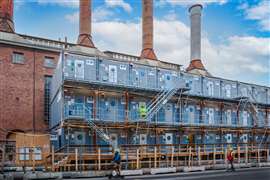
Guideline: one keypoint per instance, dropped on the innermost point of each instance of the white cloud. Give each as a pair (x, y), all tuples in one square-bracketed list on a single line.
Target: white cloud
[(66, 3), (99, 14), (119, 3), (73, 18), (239, 58), (190, 2), (260, 13)]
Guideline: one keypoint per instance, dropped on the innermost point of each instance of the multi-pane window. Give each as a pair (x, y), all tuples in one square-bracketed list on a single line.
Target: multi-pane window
[(18, 58), (47, 90), (24, 153), (49, 62)]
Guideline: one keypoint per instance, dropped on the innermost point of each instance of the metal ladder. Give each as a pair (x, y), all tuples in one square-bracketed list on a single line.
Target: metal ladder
[(100, 131), (160, 100)]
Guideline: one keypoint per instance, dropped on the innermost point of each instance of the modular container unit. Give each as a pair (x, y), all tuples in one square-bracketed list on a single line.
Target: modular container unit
[(259, 94), (143, 76), (228, 89), (211, 87), (244, 90), (261, 118), (168, 114), (244, 138), (211, 116), (111, 109), (167, 79), (210, 138), (143, 138), (190, 115), (78, 107), (234, 118), (116, 138), (114, 72), (194, 83), (134, 105), (245, 119), (226, 117), (78, 136), (184, 139), (167, 138), (80, 68)]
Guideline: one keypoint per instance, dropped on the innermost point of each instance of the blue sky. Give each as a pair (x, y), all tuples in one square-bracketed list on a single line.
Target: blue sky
[(235, 40)]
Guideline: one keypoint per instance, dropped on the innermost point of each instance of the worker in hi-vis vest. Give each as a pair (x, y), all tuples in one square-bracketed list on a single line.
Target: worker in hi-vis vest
[(142, 111)]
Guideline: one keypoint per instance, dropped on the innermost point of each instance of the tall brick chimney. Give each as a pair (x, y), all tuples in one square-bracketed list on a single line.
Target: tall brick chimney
[(85, 38), (6, 16), (195, 38), (147, 31)]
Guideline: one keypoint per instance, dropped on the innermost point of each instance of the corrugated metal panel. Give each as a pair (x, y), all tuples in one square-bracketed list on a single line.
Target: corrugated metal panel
[(90, 69), (211, 87), (259, 94), (143, 76), (228, 89), (80, 68), (114, 72), (261, 117), (166, 78), (245, 119), (111, 109), (245, 90), (194, 83)]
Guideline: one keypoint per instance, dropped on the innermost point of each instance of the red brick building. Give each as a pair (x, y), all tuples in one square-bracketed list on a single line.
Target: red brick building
[(26, 66)]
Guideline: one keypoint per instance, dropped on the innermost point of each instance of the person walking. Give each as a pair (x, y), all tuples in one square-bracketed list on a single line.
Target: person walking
[(230, 158)]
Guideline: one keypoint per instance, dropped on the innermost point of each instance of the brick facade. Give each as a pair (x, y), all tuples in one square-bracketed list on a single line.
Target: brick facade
[(22, 89)]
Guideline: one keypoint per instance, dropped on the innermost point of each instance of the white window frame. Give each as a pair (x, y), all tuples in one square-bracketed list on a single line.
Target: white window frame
[(24, 154), (37, 153)]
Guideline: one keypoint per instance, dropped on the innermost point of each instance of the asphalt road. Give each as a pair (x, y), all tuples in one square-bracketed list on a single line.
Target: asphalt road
[(240, 174)]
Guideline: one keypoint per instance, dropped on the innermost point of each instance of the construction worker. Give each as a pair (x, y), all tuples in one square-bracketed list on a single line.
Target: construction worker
[(230, 157), (142, 111)]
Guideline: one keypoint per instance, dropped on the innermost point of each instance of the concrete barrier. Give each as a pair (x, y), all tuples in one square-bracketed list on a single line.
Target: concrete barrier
[(162, 170), (131, 172), (194, 168)]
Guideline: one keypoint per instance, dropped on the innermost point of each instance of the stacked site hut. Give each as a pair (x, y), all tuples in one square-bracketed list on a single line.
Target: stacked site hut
[(106, 100)]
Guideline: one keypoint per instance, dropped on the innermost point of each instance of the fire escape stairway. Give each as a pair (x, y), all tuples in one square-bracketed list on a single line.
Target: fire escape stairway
[(161, 99), (253, 108), (99, 131)]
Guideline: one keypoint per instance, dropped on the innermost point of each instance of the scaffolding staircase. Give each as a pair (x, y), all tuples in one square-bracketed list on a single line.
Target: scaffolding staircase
[(161, 99), (99, 131), (251, 102)]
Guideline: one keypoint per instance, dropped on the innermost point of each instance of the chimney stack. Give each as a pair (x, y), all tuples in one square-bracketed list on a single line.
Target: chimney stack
[(85, 38), (195, 38), (147, 31), (6, 16)]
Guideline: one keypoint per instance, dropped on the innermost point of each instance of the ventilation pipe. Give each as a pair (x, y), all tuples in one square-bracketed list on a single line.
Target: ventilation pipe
[(6, 16), (147, 30), (85, 38)]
